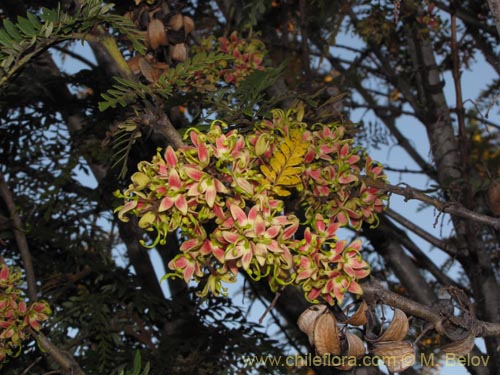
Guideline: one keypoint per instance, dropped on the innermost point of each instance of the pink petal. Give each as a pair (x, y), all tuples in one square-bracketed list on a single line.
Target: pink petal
[(189, 244), (165, 204), (230, 237), (239, 215), (203, 153), (210, 195), (193, 173), (174, 180), (181, 204), (170, 157)]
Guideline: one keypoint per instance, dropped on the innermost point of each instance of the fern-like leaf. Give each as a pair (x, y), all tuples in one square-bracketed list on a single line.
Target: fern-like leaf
[(285, 166)]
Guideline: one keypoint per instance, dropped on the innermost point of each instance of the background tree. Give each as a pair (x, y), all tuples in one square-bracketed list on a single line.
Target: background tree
[(161, 67)]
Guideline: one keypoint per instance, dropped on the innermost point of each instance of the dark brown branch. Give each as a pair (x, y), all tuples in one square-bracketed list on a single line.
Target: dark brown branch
[(20, 237), (374, 290), (65, 360), (453, 208)]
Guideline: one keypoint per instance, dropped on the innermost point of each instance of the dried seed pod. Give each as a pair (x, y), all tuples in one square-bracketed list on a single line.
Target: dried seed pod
[(176, 22), (359, 317), (397, 355), (355, 346), (494, 197), (308, 318), (188, 25), (460, 347), (148, 71), (326, 335), (133, 64), (157, 34), (179, 52), (397, 329)]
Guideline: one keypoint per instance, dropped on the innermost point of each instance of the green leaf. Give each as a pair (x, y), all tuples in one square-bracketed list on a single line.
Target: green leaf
[(12, 29), (25, 26)]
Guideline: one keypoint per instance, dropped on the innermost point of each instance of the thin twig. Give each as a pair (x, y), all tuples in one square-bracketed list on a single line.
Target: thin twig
[(416, 229), (453, 208), (271, 306), (27, 369)]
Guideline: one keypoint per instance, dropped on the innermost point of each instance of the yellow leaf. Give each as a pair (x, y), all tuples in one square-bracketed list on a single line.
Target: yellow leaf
[(286, 163)]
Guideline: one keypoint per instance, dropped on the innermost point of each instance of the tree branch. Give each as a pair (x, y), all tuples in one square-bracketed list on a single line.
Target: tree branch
[(453, 208), (20, 237), (374, 290)]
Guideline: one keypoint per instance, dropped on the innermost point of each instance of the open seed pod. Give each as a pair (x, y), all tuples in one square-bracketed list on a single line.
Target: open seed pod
[(308, 318), (188, 25), (176, 22), (355, 350), (397, 355), (150, 73), (326, 337), (460, 347), (359, 316), (179, 52), (157, 35), (397, 329), (355, 346)]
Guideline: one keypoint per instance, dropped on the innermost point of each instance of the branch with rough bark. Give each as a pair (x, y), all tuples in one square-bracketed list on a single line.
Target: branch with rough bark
[(373, 290)]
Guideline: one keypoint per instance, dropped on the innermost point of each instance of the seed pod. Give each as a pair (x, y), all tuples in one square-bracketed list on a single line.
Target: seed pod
[(355, 349), (148, 71), (176, 22), (307, 320), (359, 317), (133, 64), (494, 197), (397, 355), (460, 347), (156, 34), (397, 329), (188, 25), (355, 346), (326, 335), (179, 52)]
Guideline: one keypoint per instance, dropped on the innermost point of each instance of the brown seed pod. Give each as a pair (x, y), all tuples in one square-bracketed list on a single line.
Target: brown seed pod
[(460, 347), (359, 316), (188, 25), (355, 346), (150, 73), (397, 355), (397, 329), (133, 64), (179, 52), (326, 335), (176, 22), (493, 195), (308, 318), (157, 34)]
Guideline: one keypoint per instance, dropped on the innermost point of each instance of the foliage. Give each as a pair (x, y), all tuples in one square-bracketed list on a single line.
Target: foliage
[(17, 318), (239, 183), (22, 41)]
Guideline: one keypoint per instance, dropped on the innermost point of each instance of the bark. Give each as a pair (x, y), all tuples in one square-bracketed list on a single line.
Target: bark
[(495, 10)]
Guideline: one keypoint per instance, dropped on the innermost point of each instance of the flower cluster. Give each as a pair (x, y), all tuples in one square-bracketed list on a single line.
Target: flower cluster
[(238, 58), (231, 197), (16, 316), (247, 57)]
